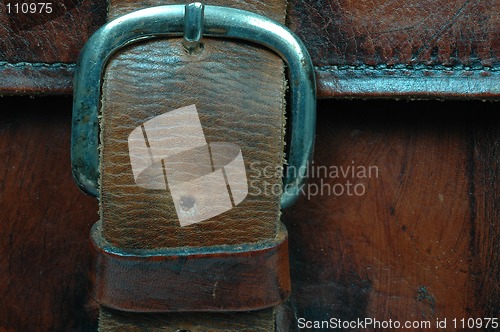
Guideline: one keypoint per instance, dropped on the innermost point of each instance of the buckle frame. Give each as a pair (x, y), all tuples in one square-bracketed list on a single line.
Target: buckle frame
[(172, 21)]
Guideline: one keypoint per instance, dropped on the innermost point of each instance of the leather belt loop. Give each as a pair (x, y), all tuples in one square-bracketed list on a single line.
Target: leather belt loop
[(234, 278)]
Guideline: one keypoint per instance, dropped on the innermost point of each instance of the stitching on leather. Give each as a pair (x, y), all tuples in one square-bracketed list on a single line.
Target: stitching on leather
[(38, 65), (400, 67), (418, 67), (320, 68)]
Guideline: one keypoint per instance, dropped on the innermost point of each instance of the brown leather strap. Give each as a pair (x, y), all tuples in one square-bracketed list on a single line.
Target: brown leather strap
[(258, 321), (238, 90), (191, 279)]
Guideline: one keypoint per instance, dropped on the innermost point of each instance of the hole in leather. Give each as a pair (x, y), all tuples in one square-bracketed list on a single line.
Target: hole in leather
[(187, 203)]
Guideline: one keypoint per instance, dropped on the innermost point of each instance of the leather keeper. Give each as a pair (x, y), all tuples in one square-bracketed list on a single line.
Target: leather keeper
[(203, 279)]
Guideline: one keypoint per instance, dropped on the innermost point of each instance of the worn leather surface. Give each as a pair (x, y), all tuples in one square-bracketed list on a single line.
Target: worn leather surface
[(44, 221), (205, 280), (259, 321), (351, 256), (398, 48), (419, 48), (37, 51), (237, 102), (377, 32)]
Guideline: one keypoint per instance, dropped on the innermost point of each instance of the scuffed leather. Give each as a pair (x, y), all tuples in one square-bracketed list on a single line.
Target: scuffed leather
[(410, 32), (273, 9), (259, 321), (377, 48), (238, 90), (38, 51), (237, 103), (49, 38), (402, 48)]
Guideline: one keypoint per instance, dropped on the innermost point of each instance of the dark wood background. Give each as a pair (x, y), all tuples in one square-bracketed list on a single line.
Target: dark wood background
[(422, 243), (44, 221)]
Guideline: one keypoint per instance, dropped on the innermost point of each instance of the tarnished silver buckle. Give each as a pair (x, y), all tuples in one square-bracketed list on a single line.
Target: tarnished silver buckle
[(192, 21)]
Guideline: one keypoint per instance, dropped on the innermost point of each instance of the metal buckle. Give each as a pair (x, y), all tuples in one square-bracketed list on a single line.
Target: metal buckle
[(191, 21)]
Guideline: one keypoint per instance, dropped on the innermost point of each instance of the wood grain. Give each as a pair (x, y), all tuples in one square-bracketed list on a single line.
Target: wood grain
[(422, 242), (44, 221)]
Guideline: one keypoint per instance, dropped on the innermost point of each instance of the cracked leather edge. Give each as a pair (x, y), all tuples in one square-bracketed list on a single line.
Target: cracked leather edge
[(27, 78)]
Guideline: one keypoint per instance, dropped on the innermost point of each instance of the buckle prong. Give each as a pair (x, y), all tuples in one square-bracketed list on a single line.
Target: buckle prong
[(194, 21)]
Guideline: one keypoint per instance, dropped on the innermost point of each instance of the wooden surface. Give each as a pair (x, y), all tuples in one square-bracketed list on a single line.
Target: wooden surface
[(423, 242), (44, 221)]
